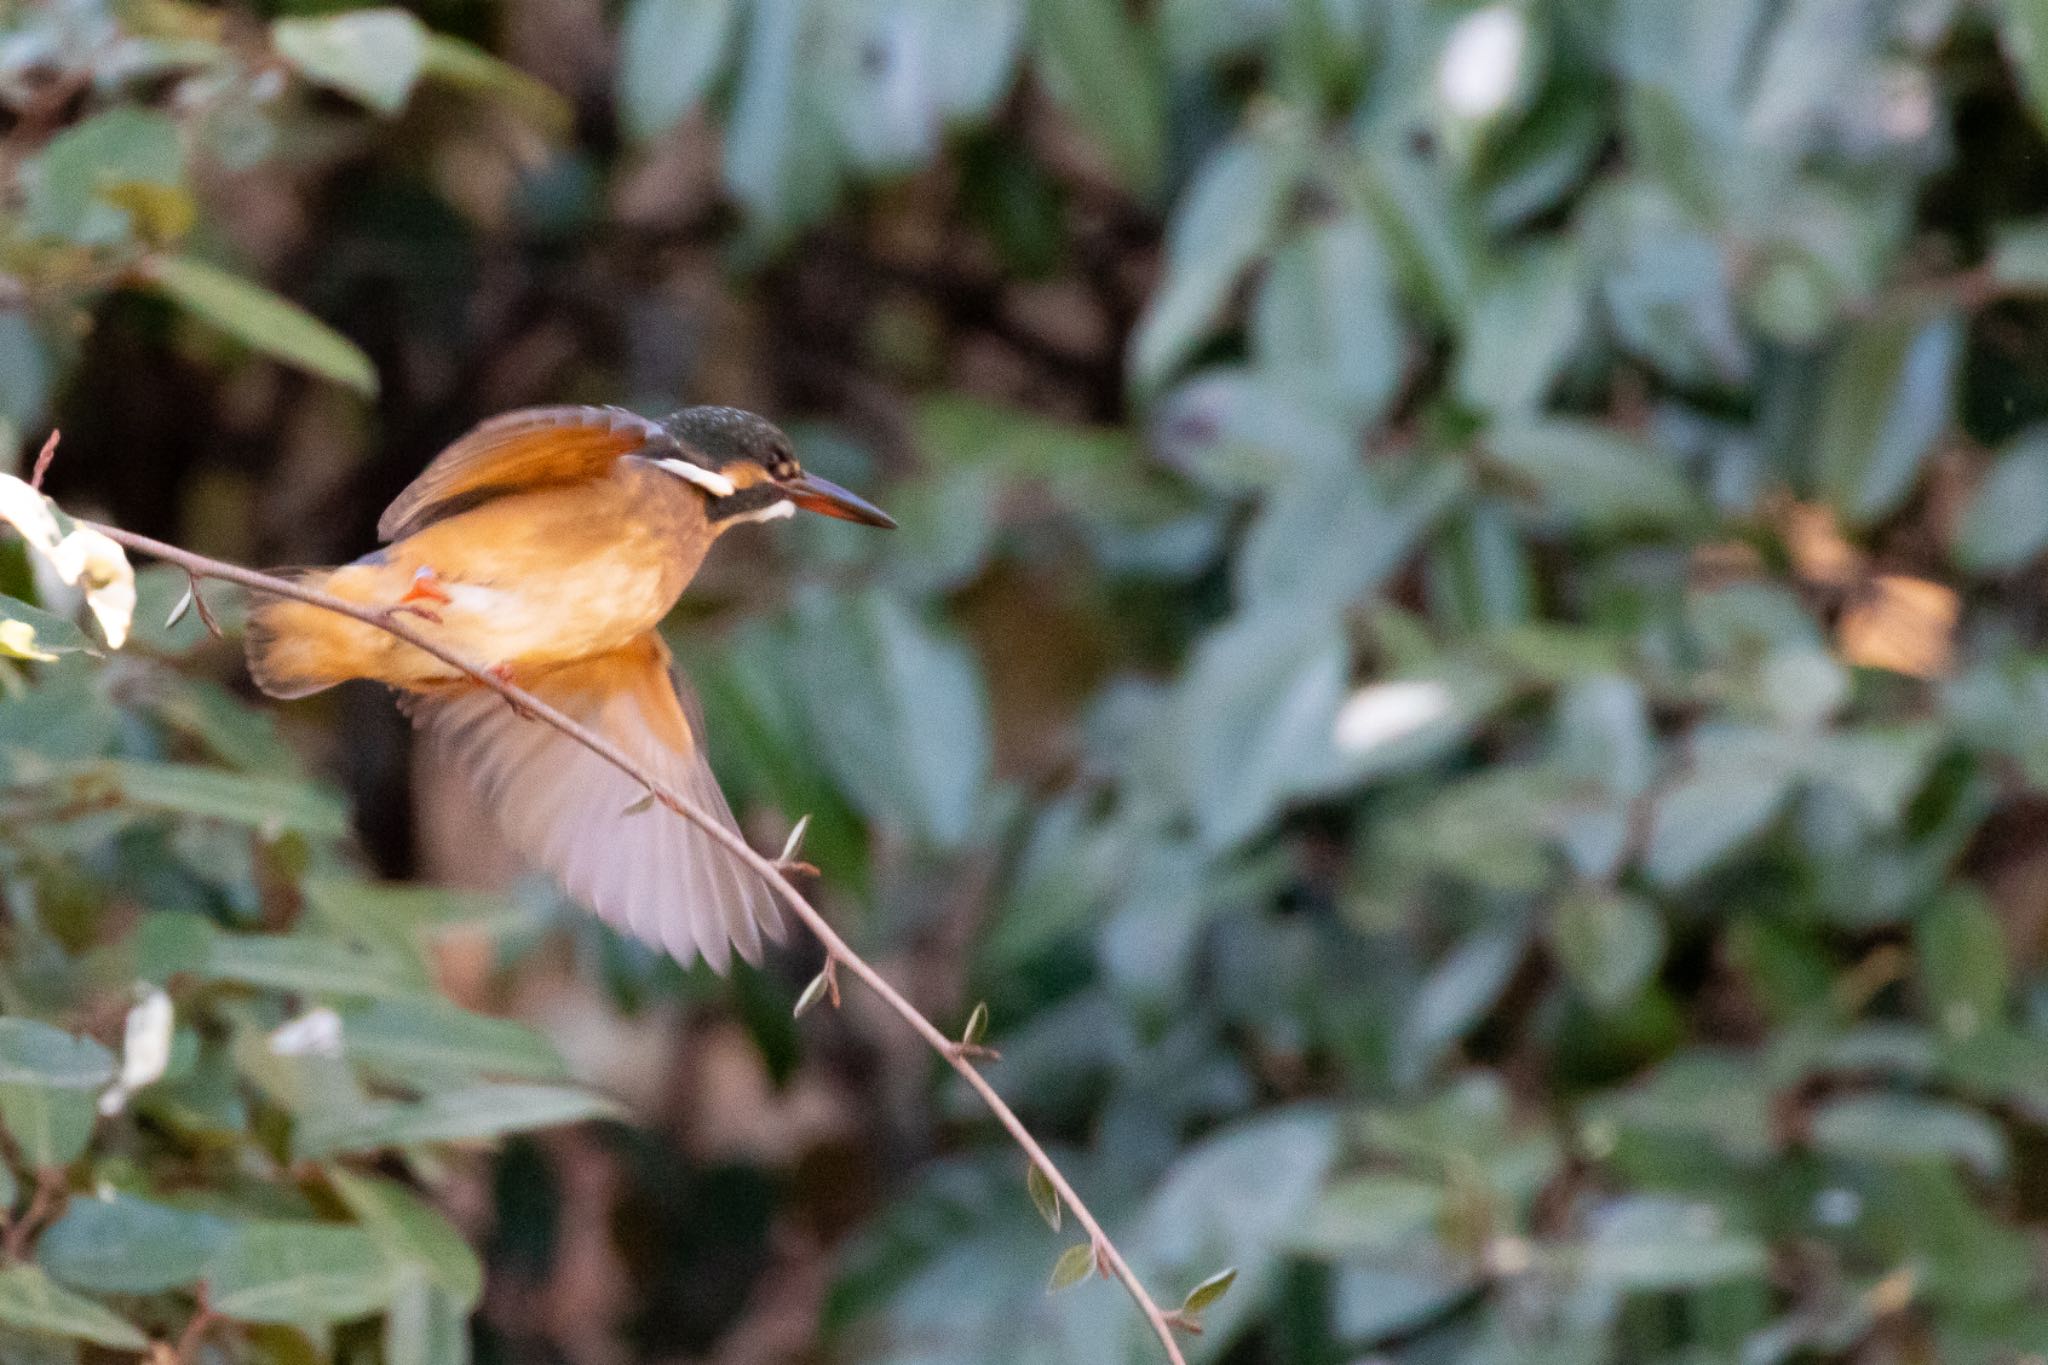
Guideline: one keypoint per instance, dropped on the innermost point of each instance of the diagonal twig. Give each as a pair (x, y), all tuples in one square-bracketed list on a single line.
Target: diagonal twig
[(836, 948)]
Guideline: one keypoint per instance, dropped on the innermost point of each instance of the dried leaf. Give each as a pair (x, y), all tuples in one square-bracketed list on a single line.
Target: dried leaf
[(1906, 625), (1819, 553)]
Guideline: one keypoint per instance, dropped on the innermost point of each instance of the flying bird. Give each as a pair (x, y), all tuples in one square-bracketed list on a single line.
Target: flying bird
[(548, 544)]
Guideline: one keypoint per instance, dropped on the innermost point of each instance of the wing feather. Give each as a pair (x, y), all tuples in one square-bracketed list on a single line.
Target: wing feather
[(518, 450), (651, 874)]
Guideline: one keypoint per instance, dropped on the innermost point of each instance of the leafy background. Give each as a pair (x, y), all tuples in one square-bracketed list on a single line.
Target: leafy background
[(1464, 672)]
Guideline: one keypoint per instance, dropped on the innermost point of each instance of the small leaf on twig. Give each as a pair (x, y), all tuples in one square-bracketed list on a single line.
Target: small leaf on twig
[(1207, 1293), (206, 617), (643, 802), (1043, 1195), (1073, 1266), (820, 987), (795, 840), (977, 1026), (184, 605)]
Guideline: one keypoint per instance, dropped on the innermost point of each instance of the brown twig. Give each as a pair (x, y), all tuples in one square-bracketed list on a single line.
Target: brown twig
[(42, 1205), (43, 458), (186, 1352), (836, 948)]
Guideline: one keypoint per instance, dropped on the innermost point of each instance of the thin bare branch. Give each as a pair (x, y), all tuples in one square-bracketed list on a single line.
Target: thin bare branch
[(836, 948)]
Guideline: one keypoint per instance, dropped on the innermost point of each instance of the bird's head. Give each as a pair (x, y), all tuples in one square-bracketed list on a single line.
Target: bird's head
[(748, 470)]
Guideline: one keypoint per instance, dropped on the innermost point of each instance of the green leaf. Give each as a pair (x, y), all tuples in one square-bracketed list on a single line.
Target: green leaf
[(1227, 218), (129, 1245), (898, 710), (1235, 1196), (2024, 36), (31, 1301), (424, 1325), (1326, 319), (1334, 534), (300, 963), (1075, 1264), (66, 181), (296, 1273), (413, 1233), (1909, 1128), (1527, 320), (472, 1113), (264, 321), (27, 371), (1044, 1197), (398, 908), (28, 632), (1594, 478), (780, 161), (1208, 1291), (1375, 1213), (426, 1038), (1104, 69), (2019, 256), (272, 805), (1965, 972), (1887, 401), (372, 55), (1736, 784), (1257, 711), (468, 67), (1610, 945), (2005, 523), (1456, 994), (1657, 1243), (669, 52), (50, 1083)]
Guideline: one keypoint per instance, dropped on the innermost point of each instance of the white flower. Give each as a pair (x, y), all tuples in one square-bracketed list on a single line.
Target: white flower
[(1382, 713), (316, 1033), (1482, 62), (102, 566), (85, 557), (28, 512), (145, 1050)]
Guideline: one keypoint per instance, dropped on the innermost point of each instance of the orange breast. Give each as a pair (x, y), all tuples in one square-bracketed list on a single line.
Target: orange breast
[(552, 575)]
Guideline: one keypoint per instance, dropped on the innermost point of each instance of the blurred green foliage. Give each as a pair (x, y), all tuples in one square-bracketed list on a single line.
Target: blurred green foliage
[(1464, 669)]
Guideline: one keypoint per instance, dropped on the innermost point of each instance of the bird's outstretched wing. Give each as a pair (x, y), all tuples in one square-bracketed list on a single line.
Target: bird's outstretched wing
[(517, 450), (651, 873)]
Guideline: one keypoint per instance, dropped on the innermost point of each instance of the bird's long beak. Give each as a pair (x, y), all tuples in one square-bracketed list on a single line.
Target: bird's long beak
[(814, 494)]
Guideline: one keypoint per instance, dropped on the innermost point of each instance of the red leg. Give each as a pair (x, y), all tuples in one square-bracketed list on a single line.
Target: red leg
[(503, 673)]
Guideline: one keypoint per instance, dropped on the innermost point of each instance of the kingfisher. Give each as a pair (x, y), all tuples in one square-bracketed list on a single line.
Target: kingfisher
[(547, 545)]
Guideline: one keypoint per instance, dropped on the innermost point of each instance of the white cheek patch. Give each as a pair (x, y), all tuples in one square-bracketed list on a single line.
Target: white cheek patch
[(711, 481), (774, 511)]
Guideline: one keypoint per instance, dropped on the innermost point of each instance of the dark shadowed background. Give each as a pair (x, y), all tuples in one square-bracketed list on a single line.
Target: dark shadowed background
[(1465, 672)]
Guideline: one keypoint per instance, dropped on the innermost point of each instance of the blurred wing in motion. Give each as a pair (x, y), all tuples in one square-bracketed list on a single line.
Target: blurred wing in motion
[(651, 873), (520, 450)]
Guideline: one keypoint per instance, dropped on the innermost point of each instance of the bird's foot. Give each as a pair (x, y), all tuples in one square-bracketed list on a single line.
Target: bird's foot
[(426, 587), (411, 609), (503, 673)]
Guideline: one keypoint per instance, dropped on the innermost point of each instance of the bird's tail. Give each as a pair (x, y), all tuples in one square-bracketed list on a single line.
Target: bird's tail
[(295, 649)]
